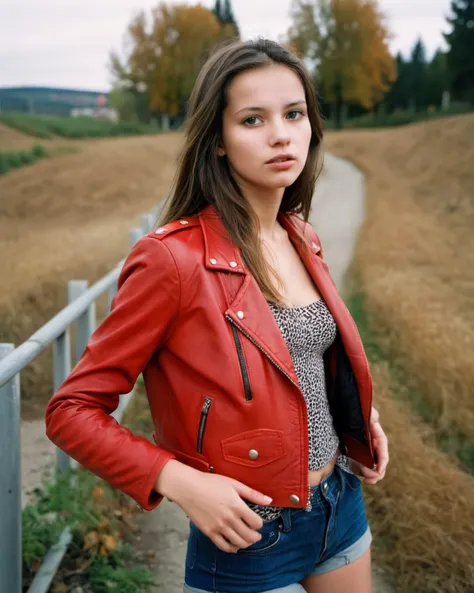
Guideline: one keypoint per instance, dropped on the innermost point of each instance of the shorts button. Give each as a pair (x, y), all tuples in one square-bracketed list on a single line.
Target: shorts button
[(294, 499), (253, 454)]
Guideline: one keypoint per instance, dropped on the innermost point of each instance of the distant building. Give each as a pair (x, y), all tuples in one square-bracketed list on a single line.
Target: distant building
[(56, 101), (99, 112)]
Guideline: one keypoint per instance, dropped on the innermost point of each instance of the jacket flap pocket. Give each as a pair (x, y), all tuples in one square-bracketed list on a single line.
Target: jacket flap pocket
[(254, 448)]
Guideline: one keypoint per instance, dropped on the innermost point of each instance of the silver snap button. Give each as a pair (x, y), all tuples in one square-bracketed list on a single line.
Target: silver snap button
[(233, 264), (294, 499), (253, 454), (183, 222), (213, 261), (325, 486), (240, 314), (160, 231)]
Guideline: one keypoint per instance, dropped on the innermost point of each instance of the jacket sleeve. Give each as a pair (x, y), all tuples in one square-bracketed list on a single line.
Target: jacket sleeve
[(78, 415)]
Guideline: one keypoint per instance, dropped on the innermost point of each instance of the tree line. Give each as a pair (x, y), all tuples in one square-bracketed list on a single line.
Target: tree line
[(344, 43)]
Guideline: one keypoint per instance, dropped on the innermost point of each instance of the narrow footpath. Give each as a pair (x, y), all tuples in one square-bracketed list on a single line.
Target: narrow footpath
[(337, 213)]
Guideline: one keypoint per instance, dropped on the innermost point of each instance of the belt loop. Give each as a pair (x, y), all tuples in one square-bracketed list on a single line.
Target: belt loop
[(286, 519), (340, 474)]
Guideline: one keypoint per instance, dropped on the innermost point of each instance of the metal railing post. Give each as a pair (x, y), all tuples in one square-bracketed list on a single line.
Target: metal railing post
[(10, 483), (85, 324), (61, 370), (111, 292), (147, 223), (133, 236)]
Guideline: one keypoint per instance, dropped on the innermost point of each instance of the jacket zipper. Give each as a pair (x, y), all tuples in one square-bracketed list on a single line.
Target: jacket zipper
[(264, 351), (203, 422), (243, 366), (308, 498)]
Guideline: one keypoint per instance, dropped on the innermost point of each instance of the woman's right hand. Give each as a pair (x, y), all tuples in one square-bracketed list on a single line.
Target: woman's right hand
[(214, 504)]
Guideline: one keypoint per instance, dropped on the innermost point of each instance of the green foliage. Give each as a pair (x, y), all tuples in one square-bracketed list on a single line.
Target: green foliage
[(461, 49), (46, 126), (402, 117), (13, 159), (92, 510), (125, 102), (40, 532), (118, 573)]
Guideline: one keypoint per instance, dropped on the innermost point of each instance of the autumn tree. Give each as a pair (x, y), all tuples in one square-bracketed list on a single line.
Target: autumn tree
[(345, 42), (165, 52)]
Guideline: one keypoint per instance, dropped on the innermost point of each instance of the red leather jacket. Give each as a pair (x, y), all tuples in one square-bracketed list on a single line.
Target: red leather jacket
[(220, 382)]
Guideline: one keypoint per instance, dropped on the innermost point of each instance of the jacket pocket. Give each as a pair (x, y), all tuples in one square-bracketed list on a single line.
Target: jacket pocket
[(242, 363), (203, 423), (254, 448)]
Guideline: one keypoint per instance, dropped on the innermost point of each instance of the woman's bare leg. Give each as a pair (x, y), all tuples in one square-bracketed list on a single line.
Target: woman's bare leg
[(355, 577)]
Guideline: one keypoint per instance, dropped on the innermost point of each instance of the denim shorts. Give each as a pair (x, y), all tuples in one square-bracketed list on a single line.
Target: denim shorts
[(297, 544)]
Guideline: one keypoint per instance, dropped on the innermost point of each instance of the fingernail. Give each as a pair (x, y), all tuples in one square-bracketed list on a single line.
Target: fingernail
[(268, 500)]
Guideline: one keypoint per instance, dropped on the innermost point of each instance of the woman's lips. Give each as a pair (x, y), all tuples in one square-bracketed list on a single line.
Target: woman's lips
[(281, 165)]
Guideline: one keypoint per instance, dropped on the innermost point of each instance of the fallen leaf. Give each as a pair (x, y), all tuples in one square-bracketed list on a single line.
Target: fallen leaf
[(91, 539), (98, 492), (109, 541)]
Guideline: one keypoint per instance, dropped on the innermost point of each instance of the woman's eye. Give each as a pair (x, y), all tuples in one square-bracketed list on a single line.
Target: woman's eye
[(250, 121), (298, 112)]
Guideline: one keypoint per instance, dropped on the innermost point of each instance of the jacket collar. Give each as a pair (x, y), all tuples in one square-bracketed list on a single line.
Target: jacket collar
[(223, 255), (249, 310)]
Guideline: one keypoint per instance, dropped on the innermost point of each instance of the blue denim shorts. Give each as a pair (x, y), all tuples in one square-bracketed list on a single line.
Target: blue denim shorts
[(297, 544)]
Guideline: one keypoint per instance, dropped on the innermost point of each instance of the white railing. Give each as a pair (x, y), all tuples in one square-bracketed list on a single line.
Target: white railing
[(80, 312)]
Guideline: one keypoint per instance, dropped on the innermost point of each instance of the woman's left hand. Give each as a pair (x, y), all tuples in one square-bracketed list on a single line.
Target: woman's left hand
[(380, 446)]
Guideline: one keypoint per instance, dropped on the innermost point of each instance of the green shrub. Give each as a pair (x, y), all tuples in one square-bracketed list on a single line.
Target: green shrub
[(39, 151), (98, 517), (46, 126), (19, 158), (402, 117), (4, 163), (15, 159)]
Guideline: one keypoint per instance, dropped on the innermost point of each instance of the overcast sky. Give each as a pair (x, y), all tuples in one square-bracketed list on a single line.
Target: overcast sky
[(66, 43)]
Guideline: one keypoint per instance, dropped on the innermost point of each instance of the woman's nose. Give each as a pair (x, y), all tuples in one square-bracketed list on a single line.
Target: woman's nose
[(279, 133)]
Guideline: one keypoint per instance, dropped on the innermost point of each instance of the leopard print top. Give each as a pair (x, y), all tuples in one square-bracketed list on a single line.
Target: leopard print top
[(309, 331)]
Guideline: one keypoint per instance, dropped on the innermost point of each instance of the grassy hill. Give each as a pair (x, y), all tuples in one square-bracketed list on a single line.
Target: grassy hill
[(413, 299)]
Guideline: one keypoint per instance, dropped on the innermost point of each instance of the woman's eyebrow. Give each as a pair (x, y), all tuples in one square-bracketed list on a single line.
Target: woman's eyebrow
[(287, 106)]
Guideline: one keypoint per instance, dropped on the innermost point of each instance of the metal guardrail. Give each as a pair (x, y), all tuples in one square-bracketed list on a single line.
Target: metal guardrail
[(81, 312)]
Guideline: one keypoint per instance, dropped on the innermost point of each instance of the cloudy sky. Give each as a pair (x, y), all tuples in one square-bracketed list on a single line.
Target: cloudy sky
[(66, 43)]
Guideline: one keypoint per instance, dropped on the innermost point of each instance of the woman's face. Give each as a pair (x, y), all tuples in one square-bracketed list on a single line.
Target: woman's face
[(266, 116)]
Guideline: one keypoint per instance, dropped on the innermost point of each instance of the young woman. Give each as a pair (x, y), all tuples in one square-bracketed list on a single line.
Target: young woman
[(256, 377)]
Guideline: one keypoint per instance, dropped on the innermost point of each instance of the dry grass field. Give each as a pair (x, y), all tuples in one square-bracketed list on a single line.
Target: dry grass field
[(416, 253), (414, 264), (12, 140), (68, 217)]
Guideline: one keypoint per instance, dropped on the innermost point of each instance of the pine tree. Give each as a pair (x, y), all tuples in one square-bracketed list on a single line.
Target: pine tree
[(460, 57), (417, 75), (225, 15), (218, 11)]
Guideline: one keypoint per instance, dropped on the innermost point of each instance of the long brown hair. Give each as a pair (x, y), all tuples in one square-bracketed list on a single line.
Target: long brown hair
[(204, 178)]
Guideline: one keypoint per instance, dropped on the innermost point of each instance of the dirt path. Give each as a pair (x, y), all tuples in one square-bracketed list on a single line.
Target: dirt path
[(337, 213)]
